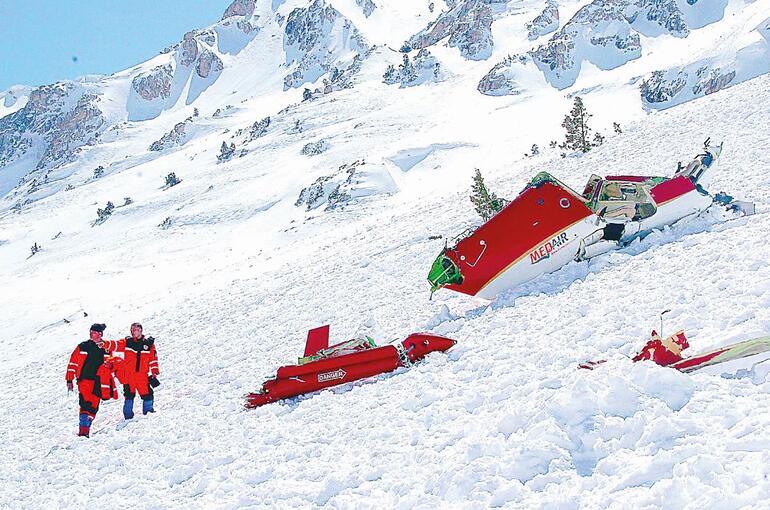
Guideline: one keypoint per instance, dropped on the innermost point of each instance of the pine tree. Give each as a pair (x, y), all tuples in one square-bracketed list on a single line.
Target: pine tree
[(535, 149), (576, 124), (172, 179), (616, 127), (486, 203), (598, 139)]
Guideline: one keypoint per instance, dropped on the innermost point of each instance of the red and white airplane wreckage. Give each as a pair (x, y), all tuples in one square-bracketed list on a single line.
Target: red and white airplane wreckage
[(548, 225), (324, 366), (667, 352)]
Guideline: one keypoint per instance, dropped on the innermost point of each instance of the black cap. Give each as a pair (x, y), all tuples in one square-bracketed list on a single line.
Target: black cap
[(98, 327)]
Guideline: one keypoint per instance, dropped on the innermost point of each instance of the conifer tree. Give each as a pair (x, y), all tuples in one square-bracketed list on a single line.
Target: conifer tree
[(578, 136), (486, 203)]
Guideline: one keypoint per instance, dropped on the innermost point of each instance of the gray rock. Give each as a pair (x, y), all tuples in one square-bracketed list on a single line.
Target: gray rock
[(62, 117), (545, 23), (560, 59), (665, 14), (367, 6), (154, 84), (189, 49), (315, 148), (174, 138), (468, 26), (309, 36), (712, 80), (239, 8), (208, 62), (501, 79)]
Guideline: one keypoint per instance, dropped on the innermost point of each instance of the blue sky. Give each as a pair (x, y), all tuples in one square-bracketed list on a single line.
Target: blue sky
[(43, 41)]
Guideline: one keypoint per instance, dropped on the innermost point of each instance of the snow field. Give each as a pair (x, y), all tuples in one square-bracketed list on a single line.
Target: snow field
[(505, 419)]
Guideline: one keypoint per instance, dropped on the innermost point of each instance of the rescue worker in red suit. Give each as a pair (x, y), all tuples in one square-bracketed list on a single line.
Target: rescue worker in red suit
[(139, 370), (94, 377)]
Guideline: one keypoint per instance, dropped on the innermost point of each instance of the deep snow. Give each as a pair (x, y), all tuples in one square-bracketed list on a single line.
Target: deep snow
[(505, 419)]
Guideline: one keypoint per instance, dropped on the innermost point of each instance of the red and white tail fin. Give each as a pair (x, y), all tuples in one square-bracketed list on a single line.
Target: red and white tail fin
[(317, 339)]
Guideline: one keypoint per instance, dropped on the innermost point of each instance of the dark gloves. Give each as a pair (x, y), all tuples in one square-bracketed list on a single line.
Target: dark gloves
[(70, 387), (154, 382)]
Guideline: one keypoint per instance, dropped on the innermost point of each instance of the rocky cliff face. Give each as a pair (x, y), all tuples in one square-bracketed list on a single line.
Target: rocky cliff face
[(599, 33), (195, 60), (58, 119), (666, 88), (316, 39), (605, 33), (154, 84), (501, 79), (545, 23), (243, 8), (467, 25)]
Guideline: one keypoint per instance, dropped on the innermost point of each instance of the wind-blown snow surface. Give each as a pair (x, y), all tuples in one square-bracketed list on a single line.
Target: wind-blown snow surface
[(232, 283)]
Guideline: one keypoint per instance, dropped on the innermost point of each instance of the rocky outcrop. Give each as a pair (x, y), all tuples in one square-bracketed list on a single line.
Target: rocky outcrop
[(664, 89), (315, 39), (656, 17), (467, 25), (367, 7), (560, 59), (605, 33), (245, 21), (712, 80), (208, 62), (74, 129), (315, 148), (154, 84), (174, 138), (545, 23), (348, 185), (58, 118), (239, 8), (188, 49), (423, 68), (501, 79)]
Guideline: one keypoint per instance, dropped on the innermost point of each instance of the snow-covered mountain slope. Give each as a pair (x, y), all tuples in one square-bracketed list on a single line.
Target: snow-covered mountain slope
[(322, 214), (261, 55)]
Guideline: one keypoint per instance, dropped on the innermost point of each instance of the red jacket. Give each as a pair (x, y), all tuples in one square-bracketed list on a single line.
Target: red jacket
[(139, 360), (87, 363)]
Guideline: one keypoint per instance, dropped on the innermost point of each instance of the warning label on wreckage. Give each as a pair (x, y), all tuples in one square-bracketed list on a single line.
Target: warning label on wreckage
[(331, 376)]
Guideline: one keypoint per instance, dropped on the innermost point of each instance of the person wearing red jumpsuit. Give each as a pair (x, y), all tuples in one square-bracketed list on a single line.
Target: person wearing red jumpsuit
[(94, 377), (139, 370)]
